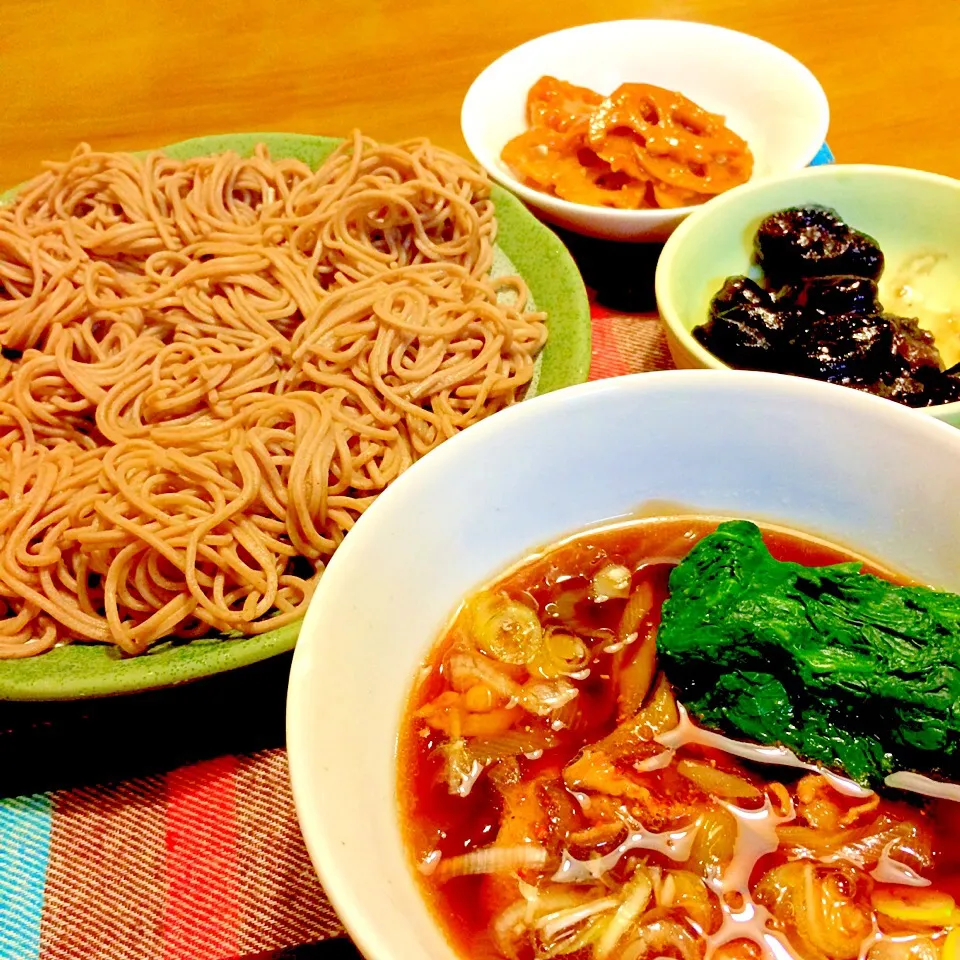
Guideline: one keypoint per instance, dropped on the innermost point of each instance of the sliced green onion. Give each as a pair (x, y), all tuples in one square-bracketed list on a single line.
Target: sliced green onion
[(505, 629), (611, 582)]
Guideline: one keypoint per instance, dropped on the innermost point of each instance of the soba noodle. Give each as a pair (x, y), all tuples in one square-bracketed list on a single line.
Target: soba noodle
[(211, 367)]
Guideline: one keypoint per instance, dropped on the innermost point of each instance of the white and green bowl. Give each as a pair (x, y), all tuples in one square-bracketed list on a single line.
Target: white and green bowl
[(914, 216)]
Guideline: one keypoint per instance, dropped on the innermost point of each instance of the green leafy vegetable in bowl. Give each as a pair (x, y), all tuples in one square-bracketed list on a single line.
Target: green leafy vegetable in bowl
[(842, 667)]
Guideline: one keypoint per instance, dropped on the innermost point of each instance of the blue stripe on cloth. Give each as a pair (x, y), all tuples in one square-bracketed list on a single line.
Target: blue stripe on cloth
[(24, 852), (824, 155)]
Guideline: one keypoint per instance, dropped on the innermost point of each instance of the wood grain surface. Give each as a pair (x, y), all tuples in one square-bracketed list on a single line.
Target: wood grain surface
[(127, 75)]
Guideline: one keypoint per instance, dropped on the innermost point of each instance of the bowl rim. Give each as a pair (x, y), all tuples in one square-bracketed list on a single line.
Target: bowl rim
[(664, 275), (353, 909), (568, 208)]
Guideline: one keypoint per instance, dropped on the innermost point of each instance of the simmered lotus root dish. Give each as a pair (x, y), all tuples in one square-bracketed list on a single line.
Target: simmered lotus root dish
[(643, 146)]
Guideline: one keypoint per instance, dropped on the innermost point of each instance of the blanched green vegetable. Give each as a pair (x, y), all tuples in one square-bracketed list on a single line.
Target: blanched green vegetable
[(841, 667)]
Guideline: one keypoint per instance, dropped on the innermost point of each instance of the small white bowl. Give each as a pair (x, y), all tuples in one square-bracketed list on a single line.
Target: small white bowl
[(831, 461), (912, 215), (768, 98)]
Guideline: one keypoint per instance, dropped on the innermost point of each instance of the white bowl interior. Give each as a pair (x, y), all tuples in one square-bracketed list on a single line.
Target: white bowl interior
[(767, 96), (824, 459), (911, 214)]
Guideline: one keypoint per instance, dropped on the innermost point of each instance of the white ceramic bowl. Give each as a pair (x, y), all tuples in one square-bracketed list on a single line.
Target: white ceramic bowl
[(911, 214), (767, 97), (855, 469)]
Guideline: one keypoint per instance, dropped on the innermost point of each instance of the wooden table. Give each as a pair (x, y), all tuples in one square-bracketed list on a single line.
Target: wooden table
[(124, 75), (143, 73)]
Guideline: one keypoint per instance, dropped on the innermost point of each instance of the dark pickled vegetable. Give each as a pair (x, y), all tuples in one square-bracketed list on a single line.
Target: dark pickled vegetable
[(817, 314), (942, 388), (813, 241), (920, 387), (832, 296), (844, 349), (744, 296), (745, 327), (914, 345), (903, 388)]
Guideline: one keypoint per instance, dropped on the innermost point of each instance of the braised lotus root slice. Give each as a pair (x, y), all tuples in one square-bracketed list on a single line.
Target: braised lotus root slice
[(668, 196), (593, 182), (561, 164), (536, 154), (561, 106), (646, 131)]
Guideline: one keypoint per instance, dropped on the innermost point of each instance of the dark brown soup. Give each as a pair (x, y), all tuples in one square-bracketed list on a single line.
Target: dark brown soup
[(558, 802)]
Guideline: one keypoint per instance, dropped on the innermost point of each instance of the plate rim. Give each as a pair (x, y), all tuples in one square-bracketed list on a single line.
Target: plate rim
[(47, 677)]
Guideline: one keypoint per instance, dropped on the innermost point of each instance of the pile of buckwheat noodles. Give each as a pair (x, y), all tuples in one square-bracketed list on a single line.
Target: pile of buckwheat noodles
[(211, 367)]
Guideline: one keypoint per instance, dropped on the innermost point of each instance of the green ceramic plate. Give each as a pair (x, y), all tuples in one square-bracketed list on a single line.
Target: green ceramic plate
[(81, 670)]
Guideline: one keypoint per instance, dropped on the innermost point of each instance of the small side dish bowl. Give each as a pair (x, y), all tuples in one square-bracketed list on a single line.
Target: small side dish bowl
[(911, 214), (815, 457), (767, 97)]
